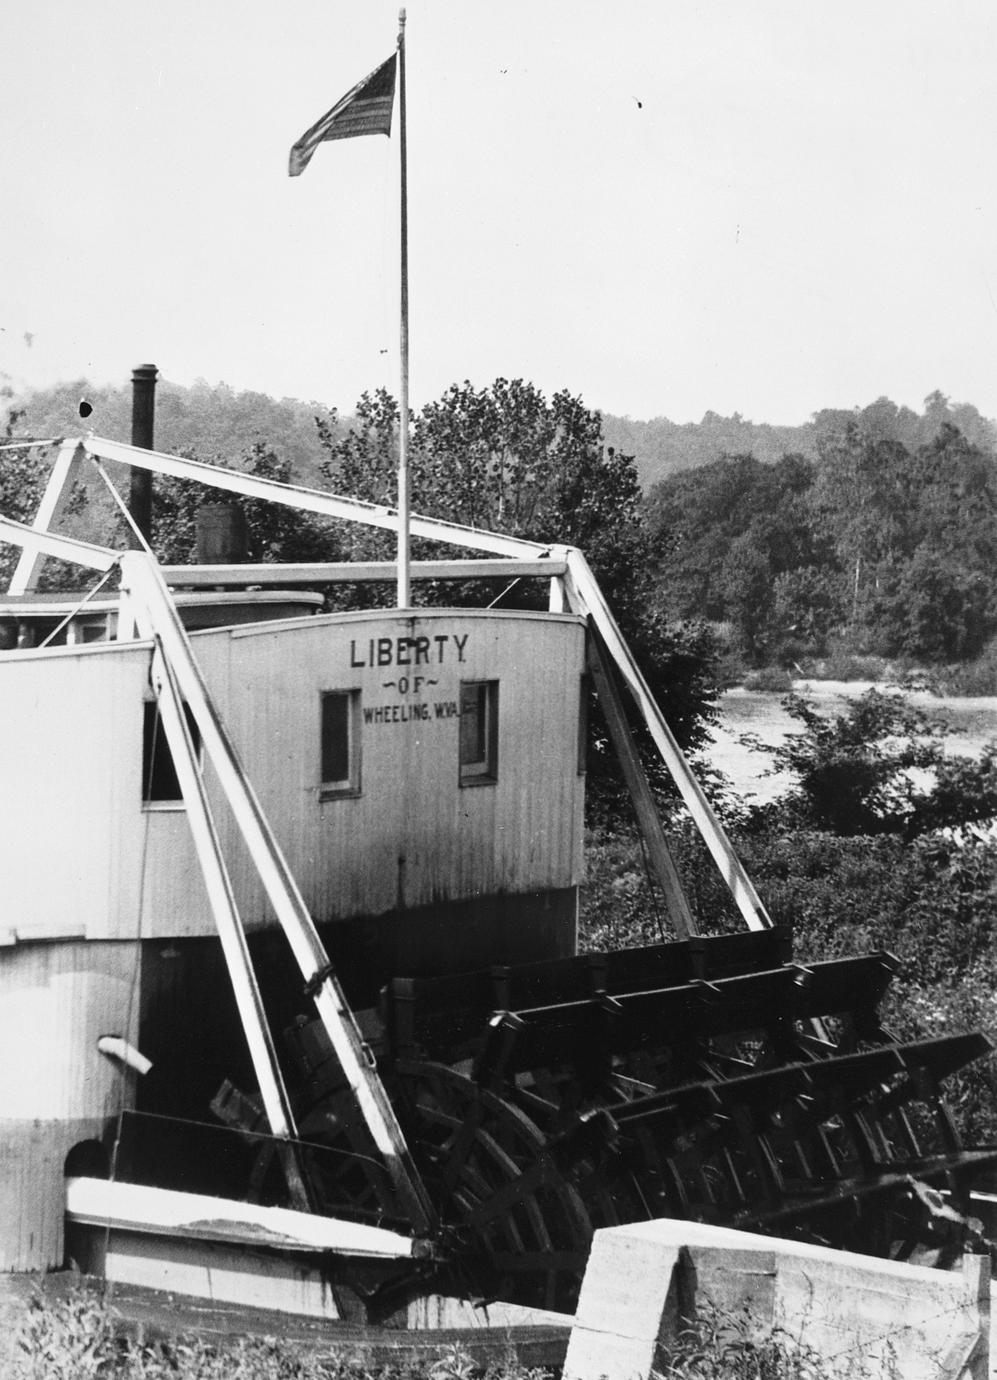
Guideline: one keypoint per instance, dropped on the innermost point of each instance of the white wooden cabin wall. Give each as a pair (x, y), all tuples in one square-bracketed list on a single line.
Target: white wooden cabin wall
[(73, 842), (81, 856), (413, 835)]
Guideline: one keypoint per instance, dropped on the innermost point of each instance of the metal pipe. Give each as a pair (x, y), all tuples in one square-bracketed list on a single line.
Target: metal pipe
[(117, 1047), (143, 425)]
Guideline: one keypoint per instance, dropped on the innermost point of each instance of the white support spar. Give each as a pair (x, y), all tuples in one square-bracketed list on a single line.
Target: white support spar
[(66, 548), (311, 500), (356, 572), (588, 598), (141, 575), (221, 898), (54, 500)]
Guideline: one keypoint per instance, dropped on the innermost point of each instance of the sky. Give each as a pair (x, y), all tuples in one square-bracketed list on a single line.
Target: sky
[(752, 206)]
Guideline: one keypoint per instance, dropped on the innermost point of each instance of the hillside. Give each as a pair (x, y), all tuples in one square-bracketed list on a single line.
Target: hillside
[(217, 422), (662, 448), (212, 421)]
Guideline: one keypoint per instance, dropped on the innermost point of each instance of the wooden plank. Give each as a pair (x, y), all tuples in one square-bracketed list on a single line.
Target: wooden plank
[(640, 792)]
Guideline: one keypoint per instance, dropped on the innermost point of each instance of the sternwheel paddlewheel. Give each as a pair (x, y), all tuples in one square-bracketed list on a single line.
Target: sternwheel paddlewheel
[(519, 1230), (713, 1080), (512, 1226)]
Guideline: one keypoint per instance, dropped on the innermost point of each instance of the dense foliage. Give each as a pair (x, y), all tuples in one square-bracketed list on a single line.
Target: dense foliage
[(274, 532), (872, 545)]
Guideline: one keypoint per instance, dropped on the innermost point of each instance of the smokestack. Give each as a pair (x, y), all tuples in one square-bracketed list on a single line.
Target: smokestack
[(143, 420)]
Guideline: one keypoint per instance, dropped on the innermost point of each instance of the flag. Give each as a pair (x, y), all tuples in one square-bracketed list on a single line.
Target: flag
[(364, 110)]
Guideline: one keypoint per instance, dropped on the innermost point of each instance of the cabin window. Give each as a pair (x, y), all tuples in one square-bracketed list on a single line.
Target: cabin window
[(160, 784), (478, 732), (340, 744)]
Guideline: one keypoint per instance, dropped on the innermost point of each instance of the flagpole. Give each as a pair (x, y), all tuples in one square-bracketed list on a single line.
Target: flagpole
[(404, 598)]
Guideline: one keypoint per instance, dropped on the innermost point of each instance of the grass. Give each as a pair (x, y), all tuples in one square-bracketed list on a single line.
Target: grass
[(721, 1345), (73, 1335)]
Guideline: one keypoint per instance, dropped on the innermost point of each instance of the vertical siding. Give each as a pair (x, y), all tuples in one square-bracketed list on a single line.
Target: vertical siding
[(56, 1000), (78, 853), (414, 834), (67, 739), (80, 856)]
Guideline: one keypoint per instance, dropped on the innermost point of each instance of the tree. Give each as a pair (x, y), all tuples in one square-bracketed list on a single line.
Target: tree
[(747, 589), (728, 537), (506, 459), (858, 499), (937, 609), (807, 604), (916, 534), (276, 533), (693, 518)]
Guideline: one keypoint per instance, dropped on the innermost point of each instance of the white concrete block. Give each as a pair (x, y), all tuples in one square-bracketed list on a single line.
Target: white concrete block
[(852, 1310), (628, 1301)]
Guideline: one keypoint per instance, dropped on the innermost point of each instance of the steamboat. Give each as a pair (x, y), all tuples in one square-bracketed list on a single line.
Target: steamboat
[(291, 996)]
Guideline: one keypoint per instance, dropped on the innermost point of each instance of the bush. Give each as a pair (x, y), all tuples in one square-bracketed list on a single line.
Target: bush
[(65, 1339), (775, 679), (862, 771), (619, 909), (970, 678), (852, 666), (791, 653), (930, 902), (723, 1346), (731, 668)]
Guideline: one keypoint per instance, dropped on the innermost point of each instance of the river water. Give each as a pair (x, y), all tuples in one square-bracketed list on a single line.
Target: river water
[(761, 713)]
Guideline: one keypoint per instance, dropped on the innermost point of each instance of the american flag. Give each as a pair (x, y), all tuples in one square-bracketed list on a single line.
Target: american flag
[(366, 109)]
